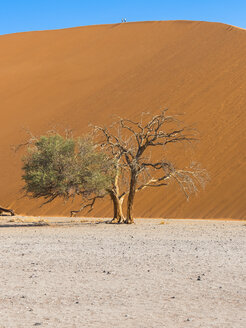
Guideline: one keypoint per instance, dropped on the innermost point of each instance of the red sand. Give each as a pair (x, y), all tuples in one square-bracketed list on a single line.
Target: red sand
[(72, 77)]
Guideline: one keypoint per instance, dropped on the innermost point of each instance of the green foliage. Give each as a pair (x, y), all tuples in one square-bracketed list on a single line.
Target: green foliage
[(64, 167), (96, 170), (46, 166)]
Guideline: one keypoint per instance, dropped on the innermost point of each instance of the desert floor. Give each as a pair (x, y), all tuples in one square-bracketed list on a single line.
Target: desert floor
[(156, 273)]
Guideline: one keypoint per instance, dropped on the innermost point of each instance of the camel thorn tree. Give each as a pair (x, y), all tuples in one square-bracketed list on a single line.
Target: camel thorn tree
[(65, 167), (116, 161), (131, 141)]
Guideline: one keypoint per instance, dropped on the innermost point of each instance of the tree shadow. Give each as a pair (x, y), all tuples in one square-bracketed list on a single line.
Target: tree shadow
[(21, 225)]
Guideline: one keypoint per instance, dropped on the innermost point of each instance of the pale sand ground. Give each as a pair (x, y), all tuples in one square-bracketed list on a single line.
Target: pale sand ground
[(143, 275)]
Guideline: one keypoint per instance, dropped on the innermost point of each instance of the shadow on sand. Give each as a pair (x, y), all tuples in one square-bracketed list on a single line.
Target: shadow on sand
[(53, 224)]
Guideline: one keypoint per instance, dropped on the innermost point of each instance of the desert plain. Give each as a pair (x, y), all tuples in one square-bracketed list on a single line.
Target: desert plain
[(155, 273)]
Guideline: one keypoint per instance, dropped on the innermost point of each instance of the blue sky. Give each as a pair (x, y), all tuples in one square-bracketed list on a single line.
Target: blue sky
[(29, 15)]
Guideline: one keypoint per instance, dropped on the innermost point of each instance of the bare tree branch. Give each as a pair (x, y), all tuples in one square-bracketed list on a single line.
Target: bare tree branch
[(31, 141), (6, 210), (129, 144), (90, 204)]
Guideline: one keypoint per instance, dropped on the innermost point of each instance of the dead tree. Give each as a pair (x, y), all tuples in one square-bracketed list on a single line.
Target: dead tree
[(6, 210), (131, 143)]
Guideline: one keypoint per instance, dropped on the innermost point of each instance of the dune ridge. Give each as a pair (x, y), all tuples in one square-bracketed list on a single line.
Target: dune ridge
[(71, 77)]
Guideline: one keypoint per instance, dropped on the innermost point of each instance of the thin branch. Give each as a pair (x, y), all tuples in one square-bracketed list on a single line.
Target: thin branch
[(32, 140), (90, 204), (49, 200)]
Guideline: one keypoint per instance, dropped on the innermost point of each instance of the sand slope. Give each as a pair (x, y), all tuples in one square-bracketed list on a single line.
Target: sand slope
[(71, 77)]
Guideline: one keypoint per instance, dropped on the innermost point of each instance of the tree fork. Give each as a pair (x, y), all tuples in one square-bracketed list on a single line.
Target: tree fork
[(118, 213)]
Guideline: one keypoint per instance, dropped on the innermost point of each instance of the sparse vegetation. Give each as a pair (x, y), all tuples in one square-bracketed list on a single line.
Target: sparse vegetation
[(118, 162)]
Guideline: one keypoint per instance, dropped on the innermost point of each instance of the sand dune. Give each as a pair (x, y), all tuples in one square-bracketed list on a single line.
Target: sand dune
[(72, 77)]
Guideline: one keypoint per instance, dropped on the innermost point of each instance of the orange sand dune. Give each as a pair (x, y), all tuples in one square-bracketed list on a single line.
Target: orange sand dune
[(72, 77)]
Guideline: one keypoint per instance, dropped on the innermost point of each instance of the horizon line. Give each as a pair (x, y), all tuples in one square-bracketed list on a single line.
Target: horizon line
[(120, 23)]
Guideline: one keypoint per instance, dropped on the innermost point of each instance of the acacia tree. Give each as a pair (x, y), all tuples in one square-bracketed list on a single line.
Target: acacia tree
[(64, 167), (118, 162), (131, 142)]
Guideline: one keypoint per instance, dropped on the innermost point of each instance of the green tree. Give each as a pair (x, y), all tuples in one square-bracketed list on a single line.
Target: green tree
[(64, 167), (47, 167)]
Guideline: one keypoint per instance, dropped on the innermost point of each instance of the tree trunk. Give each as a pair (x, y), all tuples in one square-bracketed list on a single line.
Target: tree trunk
[(130, 200), (117, 201), (118, 213)]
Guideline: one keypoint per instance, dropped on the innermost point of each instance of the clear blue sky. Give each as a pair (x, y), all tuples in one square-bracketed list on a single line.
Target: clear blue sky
[(29, 15)]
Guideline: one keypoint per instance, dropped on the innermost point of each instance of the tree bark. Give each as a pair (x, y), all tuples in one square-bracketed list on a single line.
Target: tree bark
[(117, 203), (130, 199)]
